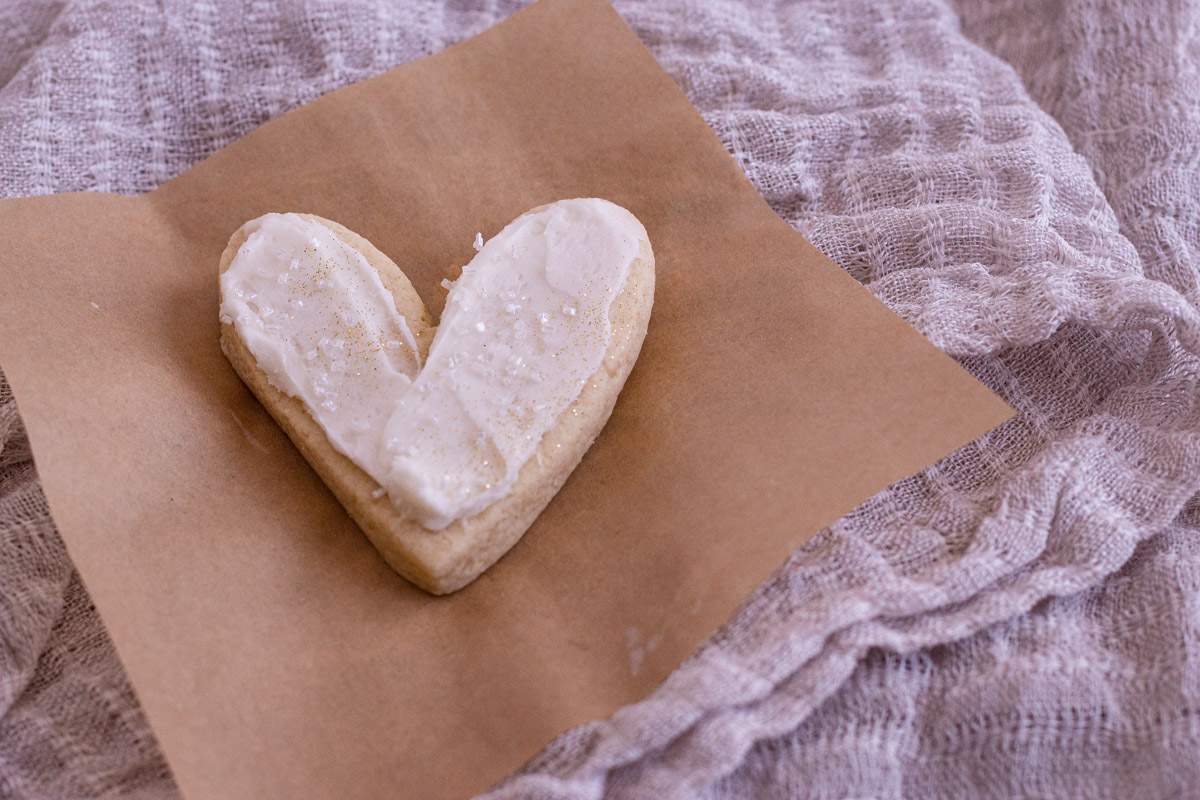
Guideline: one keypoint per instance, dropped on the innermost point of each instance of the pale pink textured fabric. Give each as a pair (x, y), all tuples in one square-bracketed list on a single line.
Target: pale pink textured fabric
[(1020, 180)]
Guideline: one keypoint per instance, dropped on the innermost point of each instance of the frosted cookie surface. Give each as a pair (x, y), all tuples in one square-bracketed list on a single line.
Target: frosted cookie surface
[(524, 328)]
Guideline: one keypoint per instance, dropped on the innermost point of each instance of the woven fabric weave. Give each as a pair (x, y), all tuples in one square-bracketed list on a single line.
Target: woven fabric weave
[(1019, 179)]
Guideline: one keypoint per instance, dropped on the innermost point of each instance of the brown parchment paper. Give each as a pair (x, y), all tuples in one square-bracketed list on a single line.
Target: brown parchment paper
[(275, 653)]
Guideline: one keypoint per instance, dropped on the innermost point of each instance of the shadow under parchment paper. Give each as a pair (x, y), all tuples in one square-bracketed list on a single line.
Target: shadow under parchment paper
[(275, 653)]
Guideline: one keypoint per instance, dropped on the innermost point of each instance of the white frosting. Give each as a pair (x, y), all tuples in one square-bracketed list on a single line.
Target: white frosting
[(524, 327)]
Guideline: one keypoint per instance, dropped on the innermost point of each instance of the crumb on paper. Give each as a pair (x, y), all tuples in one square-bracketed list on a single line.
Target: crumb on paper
[(96, 306), (378, 493), (633, 643), (246, 432), (639, 647), (478, 244)]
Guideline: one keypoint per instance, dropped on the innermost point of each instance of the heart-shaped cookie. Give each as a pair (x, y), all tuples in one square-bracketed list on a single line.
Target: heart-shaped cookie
[(443, 444)]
